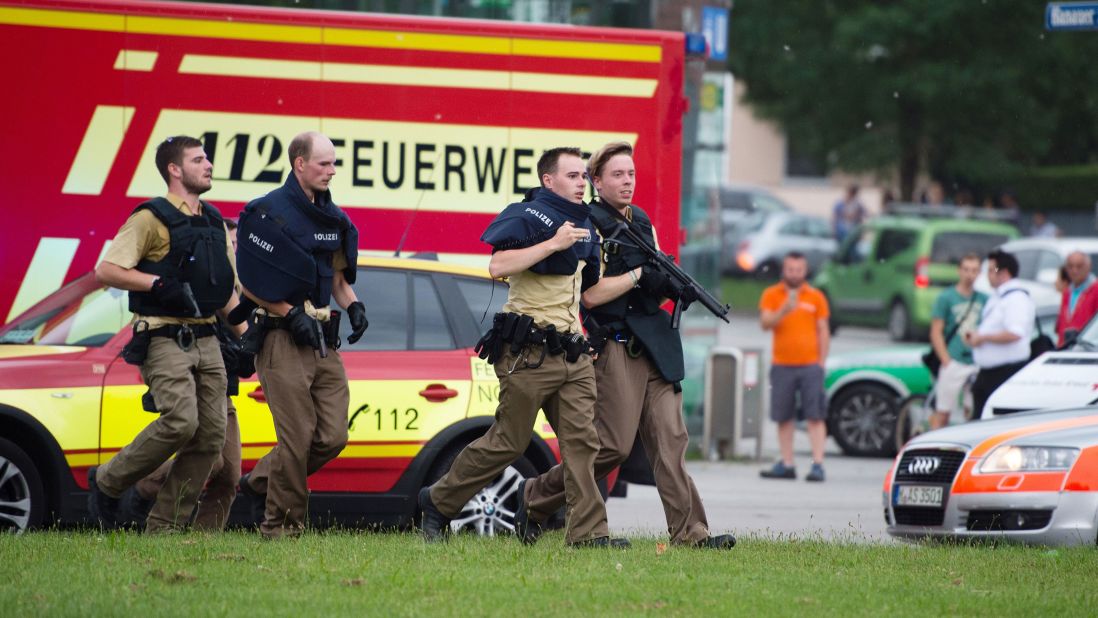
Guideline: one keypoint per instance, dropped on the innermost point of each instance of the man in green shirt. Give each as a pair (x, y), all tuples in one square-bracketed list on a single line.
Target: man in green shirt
[(956, 312)]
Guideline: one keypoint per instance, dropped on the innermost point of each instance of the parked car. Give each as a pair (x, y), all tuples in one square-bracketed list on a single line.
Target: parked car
[(1039, 261), (733, 203), (418, 395), (1028, 477), (1057, 379), (889, 271), (757, 243), (876, 398)]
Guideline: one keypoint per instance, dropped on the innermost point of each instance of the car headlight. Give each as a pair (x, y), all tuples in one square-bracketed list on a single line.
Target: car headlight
[(1029, 459)]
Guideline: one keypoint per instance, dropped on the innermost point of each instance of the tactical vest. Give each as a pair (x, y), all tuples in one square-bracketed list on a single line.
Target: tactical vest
[(623, 258), (196, 255), (287, 249), (636, 312)]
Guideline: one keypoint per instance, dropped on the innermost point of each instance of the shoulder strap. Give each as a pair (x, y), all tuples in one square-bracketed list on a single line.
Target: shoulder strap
[(1036, 320), (968, 309), (163, 210)]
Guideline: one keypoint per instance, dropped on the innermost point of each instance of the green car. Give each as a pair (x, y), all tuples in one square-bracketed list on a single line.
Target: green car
[(889, 271), (866, 393)]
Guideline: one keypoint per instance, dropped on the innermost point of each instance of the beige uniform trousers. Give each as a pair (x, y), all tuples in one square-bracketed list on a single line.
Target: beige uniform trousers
[(217, 500), (633, 395), (308, 397), (189, 390), (566, 392)]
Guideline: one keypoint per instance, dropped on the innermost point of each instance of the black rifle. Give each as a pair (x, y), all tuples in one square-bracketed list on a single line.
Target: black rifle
[(671, 269)]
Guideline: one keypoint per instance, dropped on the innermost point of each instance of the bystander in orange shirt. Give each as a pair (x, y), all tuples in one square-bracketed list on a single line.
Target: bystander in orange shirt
[(796, 340)]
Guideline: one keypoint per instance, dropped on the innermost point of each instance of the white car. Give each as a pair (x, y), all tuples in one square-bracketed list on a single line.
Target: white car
[(1039, 260), (1060, 379)]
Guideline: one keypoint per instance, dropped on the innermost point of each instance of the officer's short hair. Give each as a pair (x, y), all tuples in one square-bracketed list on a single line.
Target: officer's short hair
[(171, 151), (547, 164), (301, 146), (795, 255), (603, 155), (1004, 261)]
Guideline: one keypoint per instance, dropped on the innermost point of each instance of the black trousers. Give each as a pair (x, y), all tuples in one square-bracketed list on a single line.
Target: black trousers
[(989, 379)]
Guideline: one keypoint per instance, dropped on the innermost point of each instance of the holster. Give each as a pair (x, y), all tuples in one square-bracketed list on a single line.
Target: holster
[(137, 349), (331, 330)]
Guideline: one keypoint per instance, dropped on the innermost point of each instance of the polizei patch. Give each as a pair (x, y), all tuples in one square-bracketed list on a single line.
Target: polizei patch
[(259, 242)]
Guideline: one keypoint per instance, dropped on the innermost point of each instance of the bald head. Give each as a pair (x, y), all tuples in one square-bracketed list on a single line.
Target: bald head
[(1077, 266), (312, 157)]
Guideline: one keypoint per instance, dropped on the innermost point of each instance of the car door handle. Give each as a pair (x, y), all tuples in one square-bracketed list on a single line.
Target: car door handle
[(258, 395), (437, 393), (867, 276)]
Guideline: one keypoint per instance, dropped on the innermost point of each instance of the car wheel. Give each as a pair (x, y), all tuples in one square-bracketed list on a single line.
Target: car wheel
[(912, 420), (491, 510), (899, 322), (22, 499), (864, 420)]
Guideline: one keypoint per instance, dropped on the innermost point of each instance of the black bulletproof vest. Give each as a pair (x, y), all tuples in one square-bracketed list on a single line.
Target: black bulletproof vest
[(623, 258), (287, 245), (196, 255), (635, 311)]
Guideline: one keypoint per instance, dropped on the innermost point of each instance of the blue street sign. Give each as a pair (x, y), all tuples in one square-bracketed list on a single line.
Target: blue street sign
[(1071, 16), (715, 29)]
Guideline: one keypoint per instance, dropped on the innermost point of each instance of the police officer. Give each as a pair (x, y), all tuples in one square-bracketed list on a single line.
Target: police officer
[(173, 255), (220, 492), (298, 250), (544, 246), (638, 371)]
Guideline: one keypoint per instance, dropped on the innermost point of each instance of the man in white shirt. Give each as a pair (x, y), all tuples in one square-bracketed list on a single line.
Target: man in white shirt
[(1000, 345)]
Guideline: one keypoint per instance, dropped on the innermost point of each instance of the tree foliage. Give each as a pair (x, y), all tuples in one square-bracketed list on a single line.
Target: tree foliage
[(965, 91)]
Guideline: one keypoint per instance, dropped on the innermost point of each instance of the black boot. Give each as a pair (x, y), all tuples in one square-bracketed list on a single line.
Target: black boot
[(526, 529), (435, 526), (721, 541), (102, 508), (257, 502)]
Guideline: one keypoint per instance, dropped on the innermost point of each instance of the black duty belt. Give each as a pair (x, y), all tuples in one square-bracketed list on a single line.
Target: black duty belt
[(519, 333), (184, 334), (329, 327)]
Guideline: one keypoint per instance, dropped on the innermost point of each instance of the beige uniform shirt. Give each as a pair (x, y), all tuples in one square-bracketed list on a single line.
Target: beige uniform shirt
[(143, 236), (549, 299)]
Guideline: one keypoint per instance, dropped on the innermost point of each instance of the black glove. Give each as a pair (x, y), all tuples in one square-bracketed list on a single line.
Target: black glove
[(168, 291), (653, 281), (687, 295), (357, 312), (303, 328)]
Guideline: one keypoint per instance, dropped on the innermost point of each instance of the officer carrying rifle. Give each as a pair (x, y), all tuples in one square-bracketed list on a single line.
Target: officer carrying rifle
[(544, 246), (298, 250), (640, 361), (174, 256)]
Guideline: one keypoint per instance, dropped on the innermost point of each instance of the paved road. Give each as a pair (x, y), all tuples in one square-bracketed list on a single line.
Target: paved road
[(846, 506)]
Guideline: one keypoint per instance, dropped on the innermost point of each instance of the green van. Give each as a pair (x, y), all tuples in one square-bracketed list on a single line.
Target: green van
[(889, 271)]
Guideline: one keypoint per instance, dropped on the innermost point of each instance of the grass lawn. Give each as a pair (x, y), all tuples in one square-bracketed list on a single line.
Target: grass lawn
[(350, 573), (743, 294)]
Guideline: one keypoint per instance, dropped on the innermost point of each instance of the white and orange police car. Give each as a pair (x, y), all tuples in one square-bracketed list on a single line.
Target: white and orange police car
[(1029, 477), (419, 394)]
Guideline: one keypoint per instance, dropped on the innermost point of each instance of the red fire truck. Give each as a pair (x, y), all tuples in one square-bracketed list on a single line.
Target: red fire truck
[(437, 122)]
